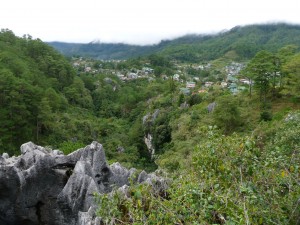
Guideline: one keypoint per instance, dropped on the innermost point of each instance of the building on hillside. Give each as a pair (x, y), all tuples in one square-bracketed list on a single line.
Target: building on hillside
[(176, 77), (202, 91), (233, 88), (190, 84), (245, 81), (148, 70), (185, 91), (87, 69), (121, 76), (76, 64), (164, 76), (132, 76), (231, 78), (224, 84), (208, 84)]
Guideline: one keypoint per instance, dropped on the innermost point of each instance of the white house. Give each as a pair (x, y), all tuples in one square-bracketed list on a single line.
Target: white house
[(176, 77), (245, 81), (208, 84), (132, 76), (224, 84), (190, 84)]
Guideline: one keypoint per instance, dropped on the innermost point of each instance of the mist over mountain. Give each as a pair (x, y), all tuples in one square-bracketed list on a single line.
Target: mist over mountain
[(245, 41)]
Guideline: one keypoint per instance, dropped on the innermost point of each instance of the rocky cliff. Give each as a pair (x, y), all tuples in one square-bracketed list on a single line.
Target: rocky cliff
[(43, 186)]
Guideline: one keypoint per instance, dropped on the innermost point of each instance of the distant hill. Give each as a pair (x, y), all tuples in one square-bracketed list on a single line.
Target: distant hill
[(106, 51), (243, 41)]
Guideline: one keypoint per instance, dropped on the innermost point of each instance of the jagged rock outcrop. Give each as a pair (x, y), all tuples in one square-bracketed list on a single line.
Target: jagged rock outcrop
[(148, 121), (44, 186), (211, 107)]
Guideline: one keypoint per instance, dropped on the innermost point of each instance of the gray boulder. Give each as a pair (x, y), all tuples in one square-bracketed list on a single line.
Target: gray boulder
[(5, 155), (211, 107), (42, 186)]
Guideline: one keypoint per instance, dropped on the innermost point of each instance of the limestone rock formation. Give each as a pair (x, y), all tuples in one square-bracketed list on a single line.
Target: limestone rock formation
[(148, 121), (43, 186), (211, 107)]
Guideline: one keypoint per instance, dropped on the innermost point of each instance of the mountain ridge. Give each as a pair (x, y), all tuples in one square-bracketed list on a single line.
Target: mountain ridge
[(246, 41)]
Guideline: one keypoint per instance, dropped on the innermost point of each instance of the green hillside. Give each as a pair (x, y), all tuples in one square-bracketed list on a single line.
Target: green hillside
[(245, 42), (229, 157)]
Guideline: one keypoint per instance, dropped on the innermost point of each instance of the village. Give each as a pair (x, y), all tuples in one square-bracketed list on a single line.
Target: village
[(226, 77)]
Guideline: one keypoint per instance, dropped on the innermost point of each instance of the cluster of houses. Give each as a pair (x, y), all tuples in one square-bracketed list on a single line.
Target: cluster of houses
[(84, 65), (145, 72), (232, 82), (235, 84), (87, 66)]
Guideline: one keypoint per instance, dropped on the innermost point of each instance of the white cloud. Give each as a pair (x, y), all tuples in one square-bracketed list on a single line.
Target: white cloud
[(135, 21)]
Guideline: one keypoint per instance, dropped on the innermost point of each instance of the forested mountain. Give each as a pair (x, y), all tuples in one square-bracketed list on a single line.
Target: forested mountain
[(230, 157), (245, 42), (32, 78), (44, 100)]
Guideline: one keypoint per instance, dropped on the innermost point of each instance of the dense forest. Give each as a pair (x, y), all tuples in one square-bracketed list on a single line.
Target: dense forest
[(232, 157), (243, 41), (43, 99)]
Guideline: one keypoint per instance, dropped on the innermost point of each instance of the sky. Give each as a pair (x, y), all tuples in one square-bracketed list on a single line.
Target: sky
[(137, 21)]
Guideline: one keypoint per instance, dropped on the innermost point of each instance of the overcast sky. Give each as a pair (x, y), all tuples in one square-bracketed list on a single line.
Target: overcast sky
[(137, 21)]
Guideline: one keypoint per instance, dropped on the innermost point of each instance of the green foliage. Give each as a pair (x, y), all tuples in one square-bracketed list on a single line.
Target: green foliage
[(236, 165), (109, 210), (262, 69), (180, 99), (230, 180), (77, 94), (32, 76), (194, 99), (291, 80), (227, 114), (161, 61), (18, 105), (41, 100), (266, 116), (69, 146)]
